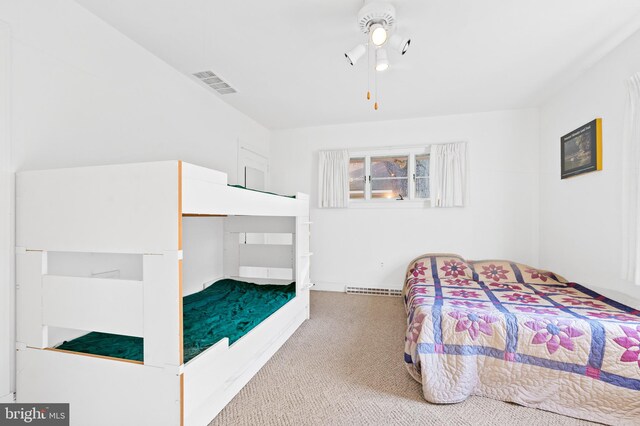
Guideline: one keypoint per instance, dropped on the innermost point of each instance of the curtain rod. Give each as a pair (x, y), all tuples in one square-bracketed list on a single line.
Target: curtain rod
[(399, 147)]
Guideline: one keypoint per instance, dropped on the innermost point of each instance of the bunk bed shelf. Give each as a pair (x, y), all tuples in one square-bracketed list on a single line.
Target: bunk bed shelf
[(263, 281)]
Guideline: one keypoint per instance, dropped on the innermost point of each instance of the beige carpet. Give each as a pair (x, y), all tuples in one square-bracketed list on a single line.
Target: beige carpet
[(344, 367)]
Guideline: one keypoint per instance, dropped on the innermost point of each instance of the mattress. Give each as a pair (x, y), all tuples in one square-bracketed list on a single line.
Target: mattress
[(508, 331), (227, 308)]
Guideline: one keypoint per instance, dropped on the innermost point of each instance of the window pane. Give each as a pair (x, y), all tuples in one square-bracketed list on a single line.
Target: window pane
[(389, 188), (356, 178), (422, 165), (384, 167), (422, 187)]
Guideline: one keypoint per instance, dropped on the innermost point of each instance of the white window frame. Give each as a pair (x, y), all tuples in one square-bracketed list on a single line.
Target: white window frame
[(410, 201)]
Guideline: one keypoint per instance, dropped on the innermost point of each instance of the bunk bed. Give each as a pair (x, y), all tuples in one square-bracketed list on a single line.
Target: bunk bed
[(151, 293), (508, 331)]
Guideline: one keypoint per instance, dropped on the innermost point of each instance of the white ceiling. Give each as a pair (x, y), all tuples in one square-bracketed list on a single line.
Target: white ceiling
[(285, 58)]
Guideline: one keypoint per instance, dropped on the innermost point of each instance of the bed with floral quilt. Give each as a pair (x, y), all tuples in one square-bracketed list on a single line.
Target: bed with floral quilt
[(508, 331)]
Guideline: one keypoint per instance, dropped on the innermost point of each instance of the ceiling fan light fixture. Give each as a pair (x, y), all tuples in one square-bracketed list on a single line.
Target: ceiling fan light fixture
[(399, 43), (382, 61), (355, 54), (378, 34), (377, 21)]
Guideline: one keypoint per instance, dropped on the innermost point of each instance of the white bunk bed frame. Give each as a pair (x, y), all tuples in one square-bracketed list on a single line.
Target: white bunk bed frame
[(135, 209)]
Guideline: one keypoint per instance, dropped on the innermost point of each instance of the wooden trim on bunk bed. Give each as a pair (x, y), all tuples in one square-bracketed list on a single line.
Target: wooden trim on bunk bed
[(111, 358), (202, 215), (182, 399), (598, 143)]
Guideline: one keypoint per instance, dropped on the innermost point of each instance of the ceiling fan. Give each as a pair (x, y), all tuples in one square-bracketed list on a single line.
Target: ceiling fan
[(377, 22)]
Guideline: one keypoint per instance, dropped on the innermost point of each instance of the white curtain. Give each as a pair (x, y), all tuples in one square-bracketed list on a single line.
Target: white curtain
[(447, 174), (333, 179), (630, 184)]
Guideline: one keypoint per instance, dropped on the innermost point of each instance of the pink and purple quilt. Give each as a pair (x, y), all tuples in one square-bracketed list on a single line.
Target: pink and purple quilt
[(508, 331)]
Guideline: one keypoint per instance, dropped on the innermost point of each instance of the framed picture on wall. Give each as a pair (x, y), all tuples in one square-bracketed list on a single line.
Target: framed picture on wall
[(581, 150)]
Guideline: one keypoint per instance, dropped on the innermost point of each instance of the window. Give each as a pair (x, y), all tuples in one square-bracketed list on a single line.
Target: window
[(422, 176), (389, 175)]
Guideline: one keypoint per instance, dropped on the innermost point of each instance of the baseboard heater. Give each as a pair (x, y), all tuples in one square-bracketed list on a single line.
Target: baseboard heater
[(374, 291)]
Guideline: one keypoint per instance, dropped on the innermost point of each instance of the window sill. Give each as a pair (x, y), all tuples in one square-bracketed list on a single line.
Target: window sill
[(389, 204)]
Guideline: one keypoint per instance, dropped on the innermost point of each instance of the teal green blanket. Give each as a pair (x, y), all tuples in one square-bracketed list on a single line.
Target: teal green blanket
[(228, 308)]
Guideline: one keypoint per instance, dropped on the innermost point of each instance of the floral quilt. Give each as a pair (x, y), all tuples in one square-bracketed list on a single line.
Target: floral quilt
[(512, 332)]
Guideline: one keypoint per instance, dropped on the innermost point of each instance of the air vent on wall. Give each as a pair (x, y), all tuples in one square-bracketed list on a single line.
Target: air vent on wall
[(374, 291), (213, 81)]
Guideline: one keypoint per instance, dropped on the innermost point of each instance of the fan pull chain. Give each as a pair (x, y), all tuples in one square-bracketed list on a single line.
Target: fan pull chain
[(375, 79), (368, 71)]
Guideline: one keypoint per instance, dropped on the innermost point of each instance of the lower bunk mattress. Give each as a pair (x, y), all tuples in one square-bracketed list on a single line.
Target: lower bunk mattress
[(227, 308), (508, 331)]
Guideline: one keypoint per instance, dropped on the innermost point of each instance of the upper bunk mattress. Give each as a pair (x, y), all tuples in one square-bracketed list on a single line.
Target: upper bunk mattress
[(227, 308), (511, 332)]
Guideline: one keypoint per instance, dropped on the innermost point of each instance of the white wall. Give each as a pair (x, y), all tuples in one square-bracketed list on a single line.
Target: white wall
[(84, 94), (580, 217), (7, 349), (372, 247), (203, 250)]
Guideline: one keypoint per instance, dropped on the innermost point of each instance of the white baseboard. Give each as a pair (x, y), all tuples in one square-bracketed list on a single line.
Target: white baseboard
[(341, 287), (8, 398)]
